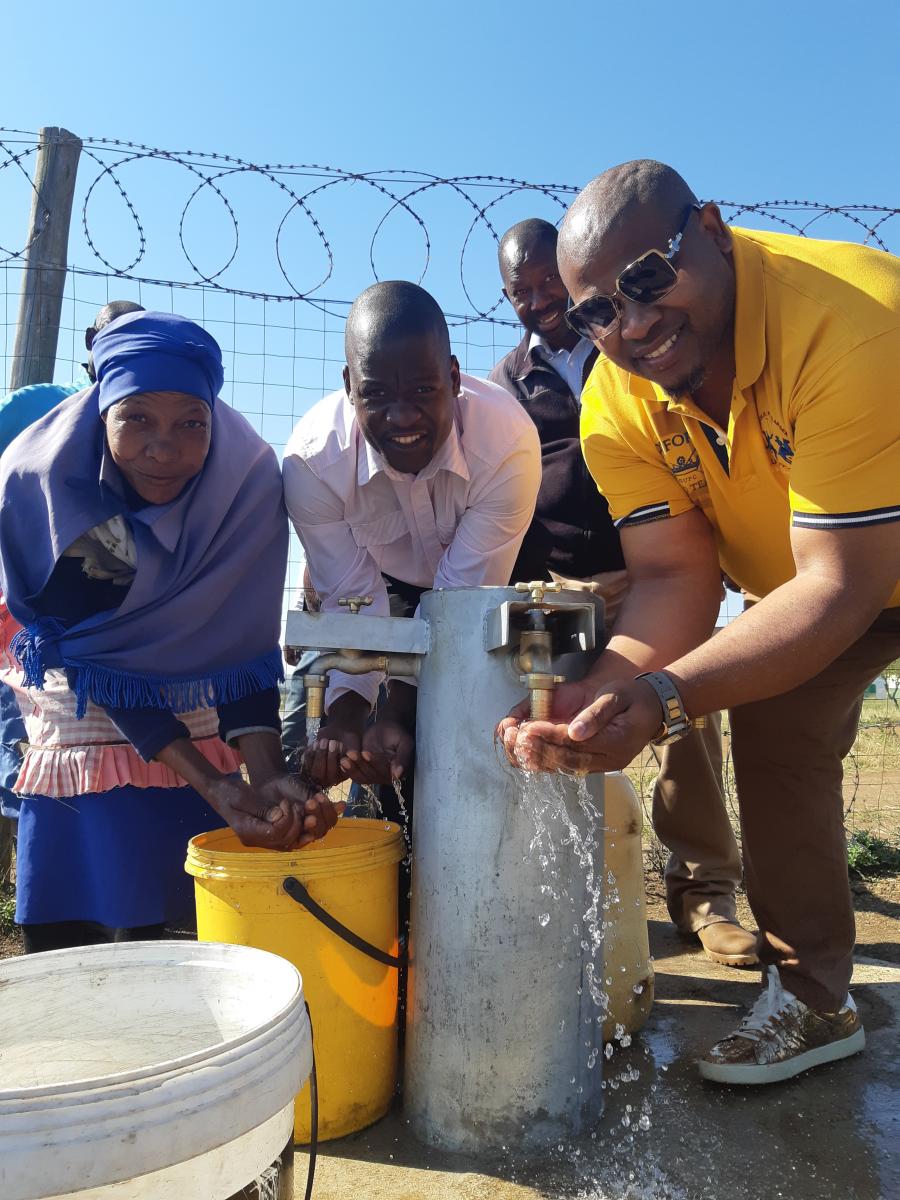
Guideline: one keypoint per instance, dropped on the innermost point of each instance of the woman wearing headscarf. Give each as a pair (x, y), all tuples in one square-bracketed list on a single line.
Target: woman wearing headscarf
[(143, 548)]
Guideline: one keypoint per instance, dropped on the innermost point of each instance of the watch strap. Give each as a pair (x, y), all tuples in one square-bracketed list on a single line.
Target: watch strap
[(675, 720)]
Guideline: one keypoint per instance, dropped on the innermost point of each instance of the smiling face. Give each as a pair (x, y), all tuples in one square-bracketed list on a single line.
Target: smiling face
[(685, 336), (403, 390), (159, 441), (532, 285)]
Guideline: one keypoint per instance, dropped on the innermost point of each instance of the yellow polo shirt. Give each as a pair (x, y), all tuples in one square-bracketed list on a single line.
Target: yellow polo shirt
[(813, 437)]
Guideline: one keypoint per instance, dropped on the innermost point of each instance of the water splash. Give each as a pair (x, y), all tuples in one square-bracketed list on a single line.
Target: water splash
[(595, 902), (313, 725), (545, 797), (368, 802), (404, 819), (627, 1178), (267, 1185)]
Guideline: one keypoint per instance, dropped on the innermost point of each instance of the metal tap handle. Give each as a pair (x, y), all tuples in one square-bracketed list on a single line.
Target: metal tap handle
[(538, 587), (354, 603)]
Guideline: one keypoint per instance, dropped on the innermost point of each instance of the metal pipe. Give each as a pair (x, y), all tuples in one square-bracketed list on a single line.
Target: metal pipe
[(359, 663), (351, 662), (500, 1024)]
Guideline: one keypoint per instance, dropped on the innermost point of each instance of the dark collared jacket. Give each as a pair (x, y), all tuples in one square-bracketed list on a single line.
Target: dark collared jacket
[(572, 532)]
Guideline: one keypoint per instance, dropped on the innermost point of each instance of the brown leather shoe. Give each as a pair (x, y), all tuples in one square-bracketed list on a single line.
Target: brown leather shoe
[(728, 943)]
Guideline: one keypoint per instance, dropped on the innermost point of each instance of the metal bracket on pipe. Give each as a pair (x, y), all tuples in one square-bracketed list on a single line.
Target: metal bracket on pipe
[(343, 631), (570, 616)]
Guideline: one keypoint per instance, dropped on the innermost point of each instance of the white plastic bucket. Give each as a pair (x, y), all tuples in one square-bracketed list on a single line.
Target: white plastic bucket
[(147, 1069)]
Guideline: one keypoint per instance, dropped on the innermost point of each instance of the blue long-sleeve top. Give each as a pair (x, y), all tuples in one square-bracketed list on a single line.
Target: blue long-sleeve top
[(71, 596)]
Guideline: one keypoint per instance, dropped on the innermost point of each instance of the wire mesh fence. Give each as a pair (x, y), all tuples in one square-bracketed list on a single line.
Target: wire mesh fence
[(268, 258), (871, 774)]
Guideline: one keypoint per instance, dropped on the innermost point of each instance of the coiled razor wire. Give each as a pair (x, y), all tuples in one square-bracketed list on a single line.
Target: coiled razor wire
[(403, 190)]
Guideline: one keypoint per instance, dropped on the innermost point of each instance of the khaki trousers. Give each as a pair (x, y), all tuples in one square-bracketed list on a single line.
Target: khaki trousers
[(788, 759), (690, 818)]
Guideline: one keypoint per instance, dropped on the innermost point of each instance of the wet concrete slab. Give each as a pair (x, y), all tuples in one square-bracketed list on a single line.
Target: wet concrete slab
[(833, 1134)]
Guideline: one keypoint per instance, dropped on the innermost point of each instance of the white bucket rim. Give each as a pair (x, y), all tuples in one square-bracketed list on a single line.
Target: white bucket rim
[(214, 953), (87, 1130)]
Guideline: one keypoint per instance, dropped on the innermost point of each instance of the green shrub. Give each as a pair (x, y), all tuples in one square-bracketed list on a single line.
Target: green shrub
[(869, 854), (7, 912)]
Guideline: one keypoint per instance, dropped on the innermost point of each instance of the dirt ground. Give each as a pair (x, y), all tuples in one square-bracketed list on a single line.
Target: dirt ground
[(10, 944), (877, 904)]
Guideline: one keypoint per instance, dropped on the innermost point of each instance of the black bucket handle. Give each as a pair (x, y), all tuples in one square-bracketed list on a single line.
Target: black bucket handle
[(301, 896)]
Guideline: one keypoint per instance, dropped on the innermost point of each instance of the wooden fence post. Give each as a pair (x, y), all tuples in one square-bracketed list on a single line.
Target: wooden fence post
[(40, 302), (44, 274)]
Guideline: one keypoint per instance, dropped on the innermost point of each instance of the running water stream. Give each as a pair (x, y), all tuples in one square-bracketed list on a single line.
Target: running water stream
[(404, 819), (593, 904), (545, 797), (369, 801)]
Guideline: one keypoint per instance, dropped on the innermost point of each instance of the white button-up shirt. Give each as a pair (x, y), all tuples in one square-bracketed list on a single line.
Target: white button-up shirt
[(458, 523), (568, 364)]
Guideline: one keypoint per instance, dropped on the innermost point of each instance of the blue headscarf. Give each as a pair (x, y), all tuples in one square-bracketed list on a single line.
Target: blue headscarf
[(200, 622), (156, 352)]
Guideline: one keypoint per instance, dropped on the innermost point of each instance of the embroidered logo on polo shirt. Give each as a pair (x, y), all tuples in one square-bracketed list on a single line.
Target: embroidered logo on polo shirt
[(680, 456), (778, 442)]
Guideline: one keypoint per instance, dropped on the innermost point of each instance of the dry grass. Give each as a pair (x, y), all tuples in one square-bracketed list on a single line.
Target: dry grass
[(871, 781)]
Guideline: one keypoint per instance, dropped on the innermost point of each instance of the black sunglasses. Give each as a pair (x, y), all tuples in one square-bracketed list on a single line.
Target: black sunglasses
[(644, 281)]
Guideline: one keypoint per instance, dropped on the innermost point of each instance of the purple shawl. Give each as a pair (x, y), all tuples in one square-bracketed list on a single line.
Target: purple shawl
[(200, 622)]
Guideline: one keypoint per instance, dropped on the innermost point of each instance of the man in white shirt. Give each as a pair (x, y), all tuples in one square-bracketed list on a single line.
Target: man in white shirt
[(412, 476)]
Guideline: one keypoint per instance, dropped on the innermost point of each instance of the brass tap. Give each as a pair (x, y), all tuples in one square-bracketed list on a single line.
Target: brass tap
[(536, 649), (351, 662), (538, 587), (535, 660), (314, 686), (536, 653), (540, 687), (354, 603)]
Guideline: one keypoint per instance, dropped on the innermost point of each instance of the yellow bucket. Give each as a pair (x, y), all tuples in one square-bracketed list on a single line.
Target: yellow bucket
[(244, 897)]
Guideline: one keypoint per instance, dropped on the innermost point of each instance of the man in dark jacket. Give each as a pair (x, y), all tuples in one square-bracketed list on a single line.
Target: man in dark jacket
[(571, 533), (572, 539)]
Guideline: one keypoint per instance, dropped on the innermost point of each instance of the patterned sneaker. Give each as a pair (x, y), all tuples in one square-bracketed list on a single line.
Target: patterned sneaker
[(780, 1037)]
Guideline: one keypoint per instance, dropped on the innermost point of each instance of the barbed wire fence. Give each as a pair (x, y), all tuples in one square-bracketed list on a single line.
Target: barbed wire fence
[(269, 257)]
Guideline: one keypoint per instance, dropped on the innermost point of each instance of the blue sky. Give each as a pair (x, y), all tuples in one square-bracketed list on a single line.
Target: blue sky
[(744, 98), (769, 100), (749, 101)]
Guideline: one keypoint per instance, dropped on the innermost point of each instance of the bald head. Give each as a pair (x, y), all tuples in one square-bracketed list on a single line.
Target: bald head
[(641, 191), (525, 239), (651, 276), (392, 312), (531, 282), (400, 376)]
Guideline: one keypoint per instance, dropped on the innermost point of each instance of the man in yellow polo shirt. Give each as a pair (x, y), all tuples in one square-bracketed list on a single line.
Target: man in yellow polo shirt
[(744, 416)]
